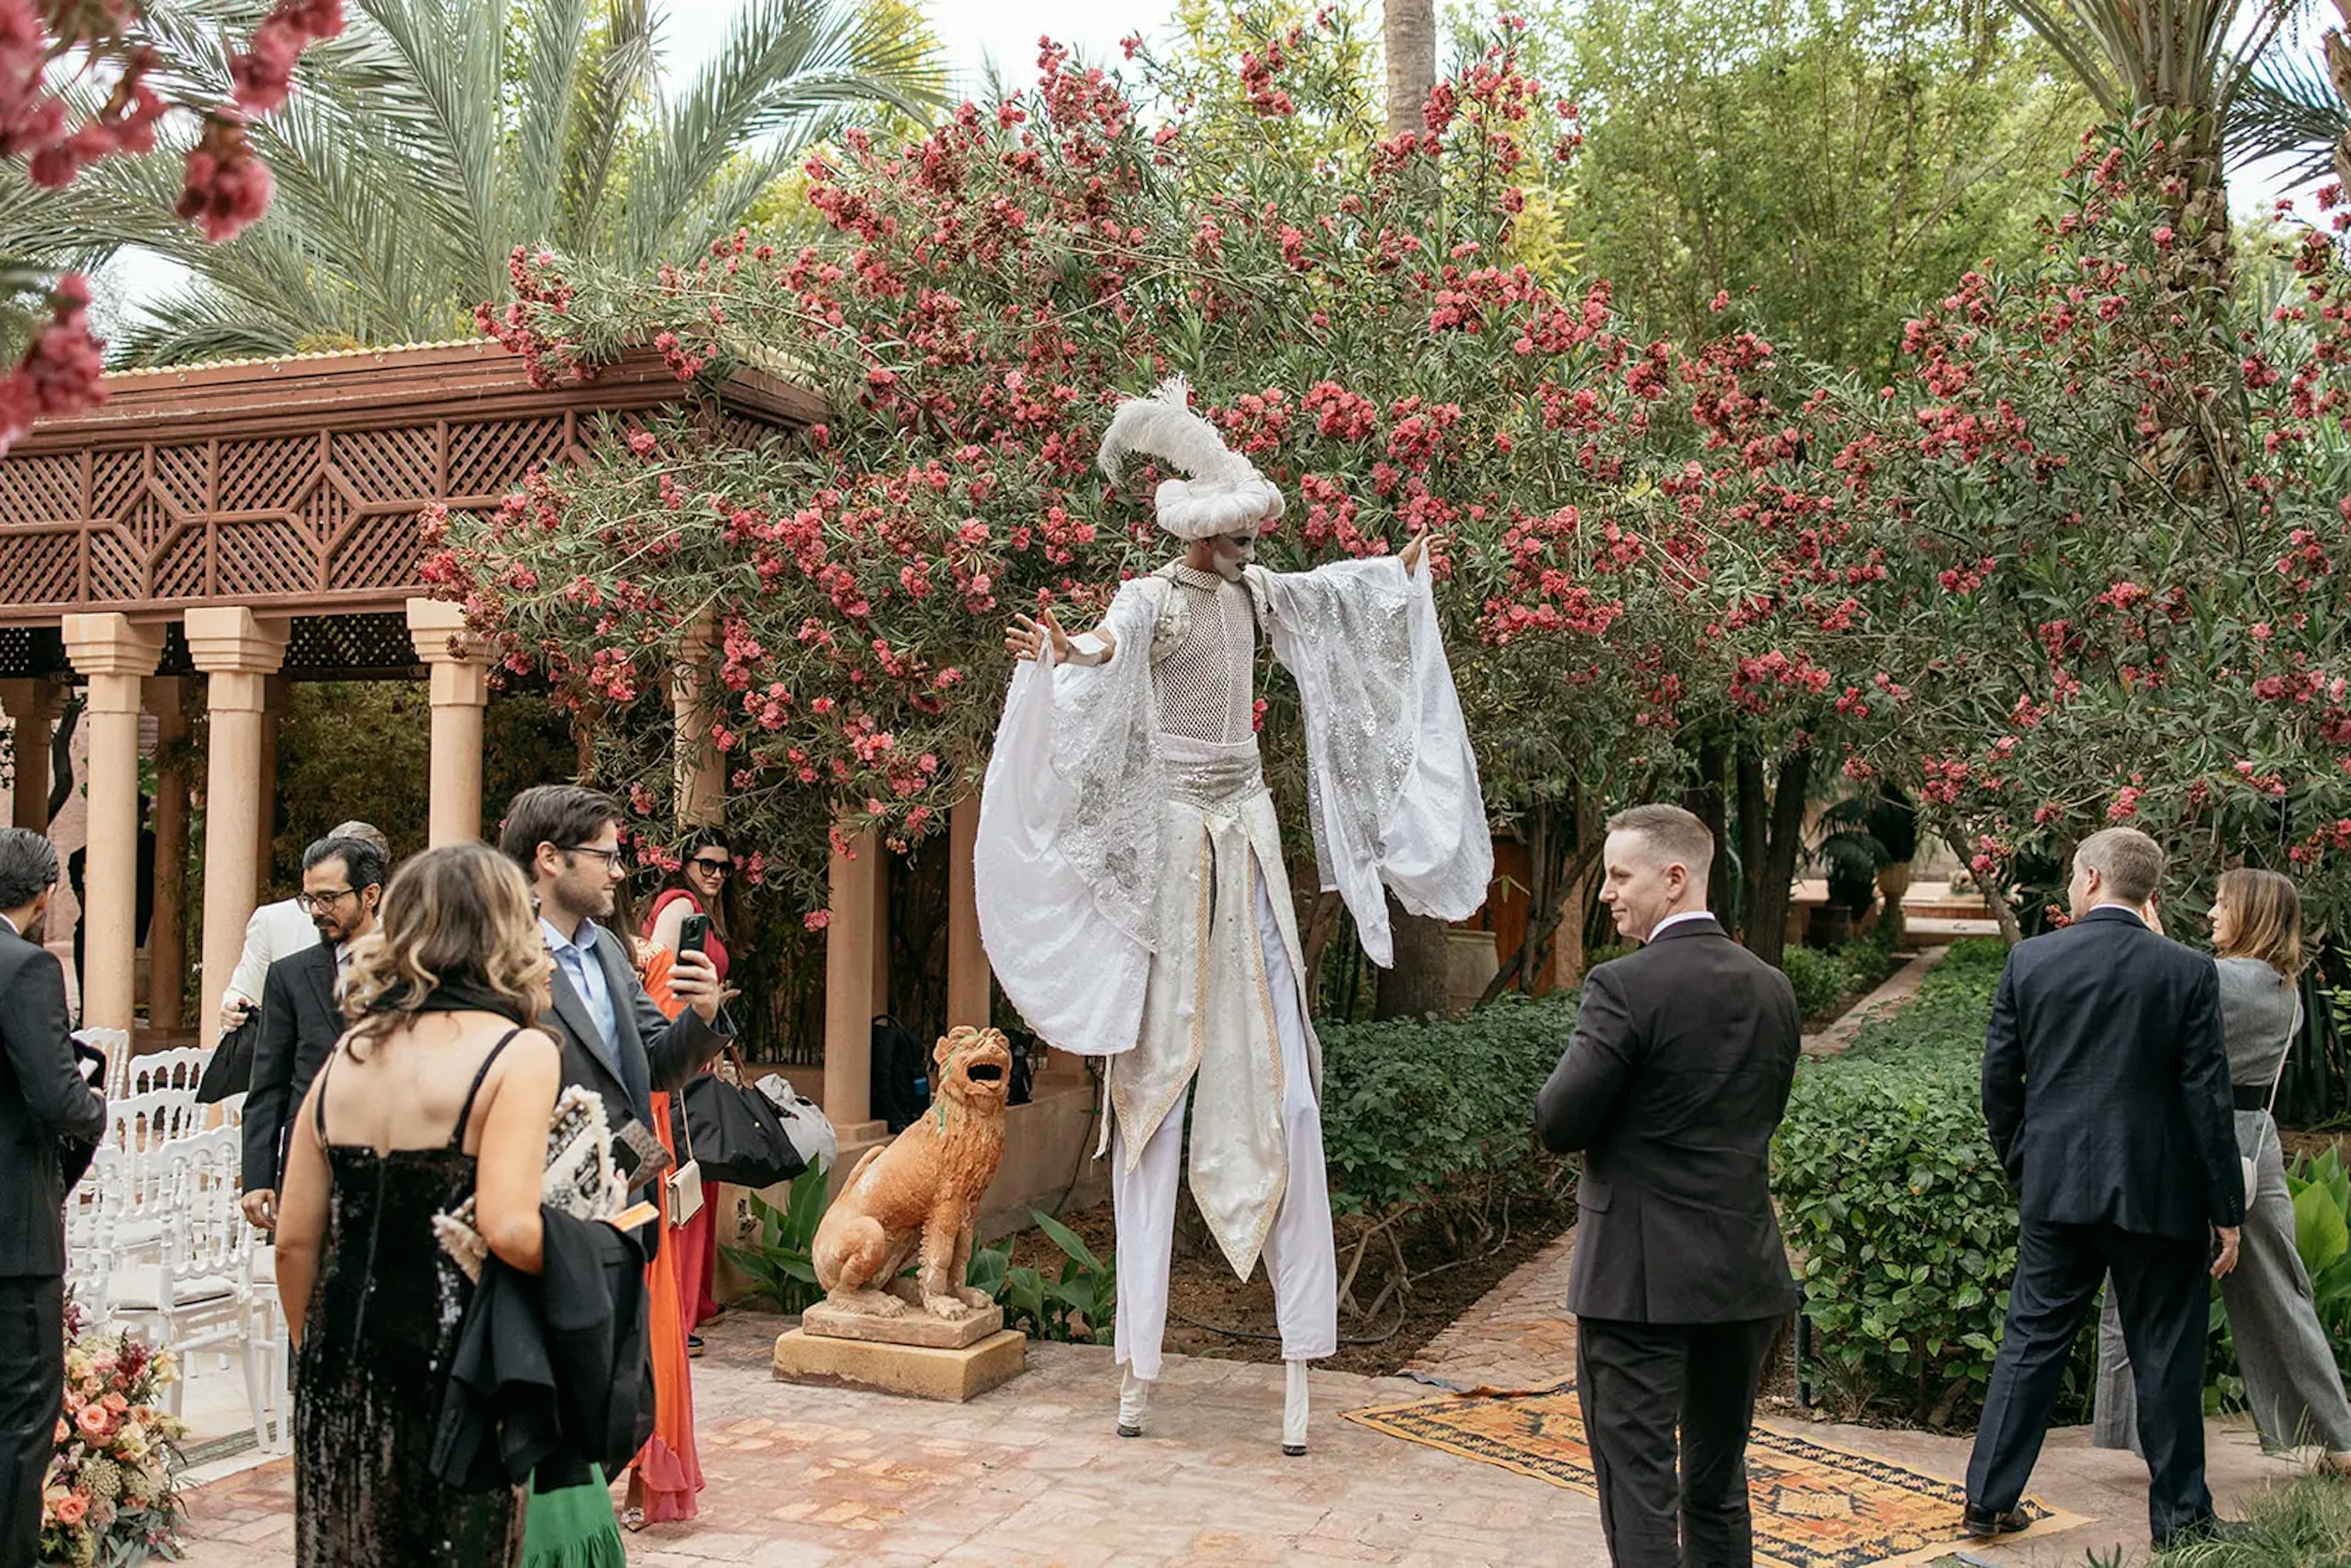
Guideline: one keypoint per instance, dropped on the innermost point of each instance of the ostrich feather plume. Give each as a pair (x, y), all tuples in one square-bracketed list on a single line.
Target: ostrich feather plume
[(1223, 493)]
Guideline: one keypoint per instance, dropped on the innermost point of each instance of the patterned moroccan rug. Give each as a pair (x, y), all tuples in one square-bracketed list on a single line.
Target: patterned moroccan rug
[(1814, 1506)]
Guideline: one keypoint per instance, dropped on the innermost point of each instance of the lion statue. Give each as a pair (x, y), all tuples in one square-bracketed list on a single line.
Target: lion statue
[(915, 1198)]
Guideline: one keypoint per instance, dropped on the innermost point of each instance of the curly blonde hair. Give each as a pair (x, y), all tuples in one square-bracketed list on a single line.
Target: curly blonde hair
[(457, 915)]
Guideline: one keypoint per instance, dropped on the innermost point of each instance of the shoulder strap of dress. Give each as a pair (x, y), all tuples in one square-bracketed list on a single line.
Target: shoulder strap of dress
[(318, 1106), (466, 1112)]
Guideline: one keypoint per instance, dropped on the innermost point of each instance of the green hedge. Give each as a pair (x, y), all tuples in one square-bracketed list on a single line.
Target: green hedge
[(1823, 977), (1434, 1115), (1891, 1196)]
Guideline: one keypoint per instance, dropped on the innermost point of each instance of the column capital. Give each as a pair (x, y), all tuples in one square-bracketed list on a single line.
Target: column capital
[(230, 640), (28, 701), (438, 628), (107, 643)]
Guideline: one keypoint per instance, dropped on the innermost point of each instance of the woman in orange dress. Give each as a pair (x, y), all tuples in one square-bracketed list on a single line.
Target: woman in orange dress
[(667, 1472)]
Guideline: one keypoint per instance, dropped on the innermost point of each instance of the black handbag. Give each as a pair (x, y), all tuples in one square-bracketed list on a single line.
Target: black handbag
[(230, 1071), (736, 1135)]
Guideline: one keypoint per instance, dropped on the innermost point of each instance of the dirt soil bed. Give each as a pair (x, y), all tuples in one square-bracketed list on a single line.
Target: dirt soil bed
[(1202, 1290)]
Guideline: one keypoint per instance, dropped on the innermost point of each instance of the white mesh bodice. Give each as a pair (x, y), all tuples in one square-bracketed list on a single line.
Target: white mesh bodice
[(1204, 684)]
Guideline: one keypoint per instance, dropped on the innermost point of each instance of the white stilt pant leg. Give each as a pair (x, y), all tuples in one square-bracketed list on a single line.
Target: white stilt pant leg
[(1300, 1255), (1143, 1206)]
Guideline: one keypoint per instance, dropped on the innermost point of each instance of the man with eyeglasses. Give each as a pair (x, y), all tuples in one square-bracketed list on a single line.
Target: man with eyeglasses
[(342, 882), (567, 839)]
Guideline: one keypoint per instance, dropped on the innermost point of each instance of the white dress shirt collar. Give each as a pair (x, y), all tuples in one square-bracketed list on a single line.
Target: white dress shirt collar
[(1672, 920)]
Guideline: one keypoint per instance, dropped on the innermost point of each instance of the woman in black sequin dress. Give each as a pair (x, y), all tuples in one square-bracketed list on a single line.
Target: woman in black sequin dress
[(440, 1092)]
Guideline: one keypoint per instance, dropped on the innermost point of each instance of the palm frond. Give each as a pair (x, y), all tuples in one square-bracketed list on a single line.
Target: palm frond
[(454, 56), (624, 71), (783, 61), (549, 98), (2289, 108), (203, 323)]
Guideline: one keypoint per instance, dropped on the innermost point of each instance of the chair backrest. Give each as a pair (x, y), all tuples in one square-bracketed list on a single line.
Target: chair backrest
[(115, 1044), (93, 1217), (208, 1235), (181, 1069), (149, 1119)]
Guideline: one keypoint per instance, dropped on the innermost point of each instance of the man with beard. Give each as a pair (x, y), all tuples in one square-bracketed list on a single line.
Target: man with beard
[(1132, 890), (342, 882)]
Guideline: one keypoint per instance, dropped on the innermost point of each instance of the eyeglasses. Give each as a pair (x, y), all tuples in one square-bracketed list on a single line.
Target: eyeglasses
[(318, 902), (614, 859), (716, 868)]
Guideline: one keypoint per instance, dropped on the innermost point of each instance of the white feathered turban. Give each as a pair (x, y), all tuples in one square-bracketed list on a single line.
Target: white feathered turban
[(1224, 493)]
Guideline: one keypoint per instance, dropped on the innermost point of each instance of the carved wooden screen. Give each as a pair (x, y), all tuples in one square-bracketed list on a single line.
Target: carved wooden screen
[(295, 488)]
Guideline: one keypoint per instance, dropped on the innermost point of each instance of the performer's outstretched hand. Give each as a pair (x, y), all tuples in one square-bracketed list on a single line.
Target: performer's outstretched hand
[(1027, 637), (1421, 544)]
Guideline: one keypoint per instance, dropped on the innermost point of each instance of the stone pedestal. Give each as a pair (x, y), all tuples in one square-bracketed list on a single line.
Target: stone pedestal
[(825, 1321), (917, 1372)]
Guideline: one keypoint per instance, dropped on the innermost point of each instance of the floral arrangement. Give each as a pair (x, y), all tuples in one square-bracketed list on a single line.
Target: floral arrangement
[(108, 1500)]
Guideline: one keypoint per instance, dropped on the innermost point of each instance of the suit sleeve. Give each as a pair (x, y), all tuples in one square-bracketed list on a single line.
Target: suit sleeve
[(2003, 1075), (33, 1024), (2204, 1088), (1580, 1097), (676, 1047), (267, 1098)]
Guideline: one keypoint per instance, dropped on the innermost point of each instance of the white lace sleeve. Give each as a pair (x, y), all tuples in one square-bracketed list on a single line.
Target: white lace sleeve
[(1392, 782), (1066, 863)]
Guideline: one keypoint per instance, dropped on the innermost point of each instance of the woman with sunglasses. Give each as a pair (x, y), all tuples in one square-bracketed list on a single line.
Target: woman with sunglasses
[(703, 883)]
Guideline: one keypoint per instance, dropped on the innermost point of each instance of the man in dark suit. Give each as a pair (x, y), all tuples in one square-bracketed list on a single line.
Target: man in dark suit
[(1675, 1078), (615, 1040), (343, 883), (2105, 1090), (43, 1098)]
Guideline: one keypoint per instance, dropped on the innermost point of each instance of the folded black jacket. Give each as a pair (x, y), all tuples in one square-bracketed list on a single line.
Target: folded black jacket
[(551, 1373)]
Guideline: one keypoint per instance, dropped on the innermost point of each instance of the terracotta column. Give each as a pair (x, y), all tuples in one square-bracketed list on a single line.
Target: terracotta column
[(167, 956), (115, 656), (33, 707), (849, 998), (276, 693), (968, 991), (237, 654), (461, 690), (701, 767)]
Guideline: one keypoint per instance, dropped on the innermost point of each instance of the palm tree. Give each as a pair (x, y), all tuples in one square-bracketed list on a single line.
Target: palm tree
[(1409, 32), (436, 136), (2182, 59), (2298, 106)]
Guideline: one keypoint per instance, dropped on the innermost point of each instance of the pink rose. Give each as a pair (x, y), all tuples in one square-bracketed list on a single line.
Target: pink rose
[(71, 1510)]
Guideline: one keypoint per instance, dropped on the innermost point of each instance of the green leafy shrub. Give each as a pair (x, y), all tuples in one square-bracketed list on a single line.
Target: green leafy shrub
[(1904, 1221), (778, 1264), (1418, 1114), (1079, 1308), (1823, 977)]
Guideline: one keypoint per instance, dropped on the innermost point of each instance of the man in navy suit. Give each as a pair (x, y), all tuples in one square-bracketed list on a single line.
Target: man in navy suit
[(2105, 1090)]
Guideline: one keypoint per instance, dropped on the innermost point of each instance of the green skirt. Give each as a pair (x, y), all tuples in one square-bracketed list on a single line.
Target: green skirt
[(573, 1528)]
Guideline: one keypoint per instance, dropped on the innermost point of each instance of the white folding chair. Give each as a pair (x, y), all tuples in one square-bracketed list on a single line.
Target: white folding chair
[(180, 1069), (197, 1293)]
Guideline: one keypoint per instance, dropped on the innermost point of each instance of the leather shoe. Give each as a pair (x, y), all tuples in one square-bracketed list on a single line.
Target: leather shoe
[(2202, 1531), (1984, 1525)]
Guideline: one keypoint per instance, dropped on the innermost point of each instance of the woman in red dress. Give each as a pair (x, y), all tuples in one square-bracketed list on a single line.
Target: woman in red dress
[(702, 884)]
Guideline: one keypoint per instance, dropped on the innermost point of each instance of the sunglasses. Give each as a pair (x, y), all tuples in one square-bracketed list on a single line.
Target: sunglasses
[(716, 868)]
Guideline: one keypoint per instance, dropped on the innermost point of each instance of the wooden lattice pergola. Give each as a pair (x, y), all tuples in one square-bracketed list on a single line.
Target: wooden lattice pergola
[(253, 521)]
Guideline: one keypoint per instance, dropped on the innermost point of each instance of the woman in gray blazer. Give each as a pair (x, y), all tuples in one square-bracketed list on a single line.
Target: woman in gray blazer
[(2291, 1377)]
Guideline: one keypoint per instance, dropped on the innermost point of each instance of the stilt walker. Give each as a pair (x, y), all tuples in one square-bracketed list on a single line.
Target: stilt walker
[(1130, 884)]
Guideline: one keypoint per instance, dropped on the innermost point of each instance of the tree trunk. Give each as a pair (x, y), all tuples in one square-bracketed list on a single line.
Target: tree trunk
[(1415, 986), (1770, 834), (1410, 30), (1703, 800), (1995, 897)]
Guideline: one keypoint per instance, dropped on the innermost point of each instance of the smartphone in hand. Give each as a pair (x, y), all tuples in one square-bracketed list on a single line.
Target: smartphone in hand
[(693, 934)]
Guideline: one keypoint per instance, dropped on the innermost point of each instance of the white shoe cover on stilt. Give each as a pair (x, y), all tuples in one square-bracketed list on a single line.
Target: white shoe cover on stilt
[(1293, 1409), (1133, 1402)]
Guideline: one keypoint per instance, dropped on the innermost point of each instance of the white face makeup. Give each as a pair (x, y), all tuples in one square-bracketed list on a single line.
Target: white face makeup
[(1232, 553)]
